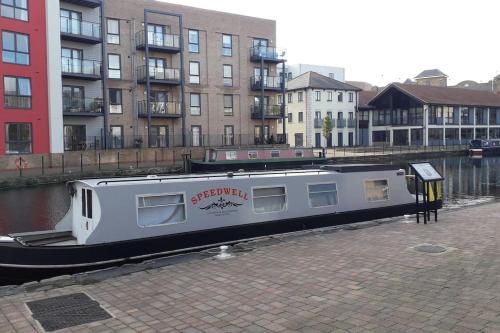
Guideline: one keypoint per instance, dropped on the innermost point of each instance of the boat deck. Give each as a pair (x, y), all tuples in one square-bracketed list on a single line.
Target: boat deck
[(45, 238)]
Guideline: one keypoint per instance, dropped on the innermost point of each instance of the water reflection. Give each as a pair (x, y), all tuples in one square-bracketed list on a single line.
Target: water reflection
[(467, 181)]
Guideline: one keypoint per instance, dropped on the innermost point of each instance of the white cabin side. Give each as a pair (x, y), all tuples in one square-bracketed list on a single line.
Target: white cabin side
[(131, 209)]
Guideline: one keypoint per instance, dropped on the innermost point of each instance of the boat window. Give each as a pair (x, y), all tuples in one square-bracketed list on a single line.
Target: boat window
[(376, 190), (84, 203), (252, 155), (299, 153), (269, 199), (161, 210), (322, 195), (275, 153), (230, 155), (89, 204)]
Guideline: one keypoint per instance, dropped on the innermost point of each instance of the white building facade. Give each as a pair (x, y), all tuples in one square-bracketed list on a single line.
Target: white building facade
[(336, 73), (310, 98)]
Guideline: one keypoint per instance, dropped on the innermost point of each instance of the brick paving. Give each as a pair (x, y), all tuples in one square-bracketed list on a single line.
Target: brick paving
[(365, 280)]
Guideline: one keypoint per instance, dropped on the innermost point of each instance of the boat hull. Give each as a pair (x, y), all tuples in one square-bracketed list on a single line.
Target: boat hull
[(20, 263)]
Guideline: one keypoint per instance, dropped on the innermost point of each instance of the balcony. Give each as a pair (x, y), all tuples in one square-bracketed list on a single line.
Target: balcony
[(85, 3), (159, 109), (270, 112), (17, 102), (318, 122), (158, 75), (86, 107), (267, 54), (166, 43), (351, 123), (80, 31), (271, 83), (81, 69), (436, 121), (341, 122)]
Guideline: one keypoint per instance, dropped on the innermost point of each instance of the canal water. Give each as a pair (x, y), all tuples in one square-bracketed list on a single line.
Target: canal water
[(467, 182)]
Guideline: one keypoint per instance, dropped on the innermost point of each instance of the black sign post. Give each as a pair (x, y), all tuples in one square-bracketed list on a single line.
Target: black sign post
[(426, 174)]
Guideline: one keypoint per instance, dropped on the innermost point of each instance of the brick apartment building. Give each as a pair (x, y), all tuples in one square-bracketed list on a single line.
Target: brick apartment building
[(135, 73), (24, 114)]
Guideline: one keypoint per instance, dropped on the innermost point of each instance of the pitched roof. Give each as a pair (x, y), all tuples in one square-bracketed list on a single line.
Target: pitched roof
[(430, 73), (365, 97), (446, 95), (317, 81)]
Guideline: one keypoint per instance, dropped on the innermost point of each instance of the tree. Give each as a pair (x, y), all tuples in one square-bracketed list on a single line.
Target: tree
[(327, 127)]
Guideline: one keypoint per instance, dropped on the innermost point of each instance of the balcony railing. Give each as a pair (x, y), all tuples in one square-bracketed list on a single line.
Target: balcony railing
[(341, 122), (351, 123), (80, 30), (436, 121), (270, 112), (158, 41), (82, 106), (268, 54), (86, 3), (274, 83), (81, 68), (159, 75), (159, 109), (318, 122), (467, 121), (17, 102)]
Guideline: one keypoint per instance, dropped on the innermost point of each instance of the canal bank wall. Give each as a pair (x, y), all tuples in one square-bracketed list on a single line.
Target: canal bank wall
[(37, 170)]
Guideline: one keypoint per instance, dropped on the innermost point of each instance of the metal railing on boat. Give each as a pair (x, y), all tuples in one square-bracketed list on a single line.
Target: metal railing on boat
[(229, 174)]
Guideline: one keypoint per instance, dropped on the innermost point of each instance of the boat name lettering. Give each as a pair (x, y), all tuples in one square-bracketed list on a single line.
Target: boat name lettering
[(196, 199)]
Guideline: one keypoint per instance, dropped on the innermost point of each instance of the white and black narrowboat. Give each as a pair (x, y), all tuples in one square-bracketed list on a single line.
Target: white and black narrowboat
[(118, 220)]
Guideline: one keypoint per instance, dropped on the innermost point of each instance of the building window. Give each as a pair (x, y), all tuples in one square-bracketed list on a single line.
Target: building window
[(322, 195), (194, 41), (290, 97), (351, 97), (160, 209), (329, 96), (116, 136), (115, 101), (318, 96), (194, 72), (290, 117), (376, 190), (280, 99), (196, 136), (299, 139), (340, 97), (195, 104), (15, 48), (331, 75), (301, 117), (228, 105), (269, 199), (228, 75), (227, 45), (300, 96), (17, 92), (113, 29), (290, 76), (18, 139), (15, 9), (114, 66), (229, 135)]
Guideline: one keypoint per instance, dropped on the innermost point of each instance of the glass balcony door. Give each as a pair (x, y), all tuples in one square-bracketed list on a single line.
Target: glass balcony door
[(159, 136), (73, 99), (71, 22), (159, 101), (156, 34), (71, 60), (157, 68)]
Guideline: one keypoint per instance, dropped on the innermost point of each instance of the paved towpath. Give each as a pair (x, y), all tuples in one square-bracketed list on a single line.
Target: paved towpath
[(365, 280)]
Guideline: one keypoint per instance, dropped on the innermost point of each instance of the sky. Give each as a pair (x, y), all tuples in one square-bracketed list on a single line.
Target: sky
[(382, 41)]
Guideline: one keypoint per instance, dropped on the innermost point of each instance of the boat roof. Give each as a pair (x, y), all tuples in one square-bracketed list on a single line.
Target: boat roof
[(310, 170)]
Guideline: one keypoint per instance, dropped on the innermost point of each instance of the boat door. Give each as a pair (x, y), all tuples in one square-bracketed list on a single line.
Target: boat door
[(87, 209)]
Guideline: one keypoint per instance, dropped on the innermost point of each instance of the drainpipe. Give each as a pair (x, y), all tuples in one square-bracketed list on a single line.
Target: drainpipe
[(104, 77), (283, 108), (261, 102)]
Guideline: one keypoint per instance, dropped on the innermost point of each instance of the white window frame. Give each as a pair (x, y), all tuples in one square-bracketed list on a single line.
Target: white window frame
[(285, 208), (184, 196), (322, 183), (372, 180)]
